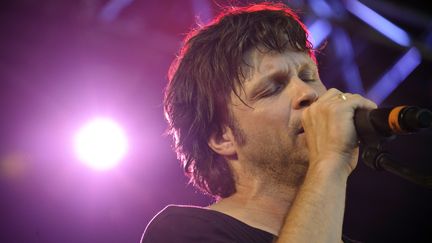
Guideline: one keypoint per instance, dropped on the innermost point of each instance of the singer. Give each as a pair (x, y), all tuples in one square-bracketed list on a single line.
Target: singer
[(254, 126)]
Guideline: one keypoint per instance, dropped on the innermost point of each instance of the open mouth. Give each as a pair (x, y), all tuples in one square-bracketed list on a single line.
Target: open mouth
[(301, 130)]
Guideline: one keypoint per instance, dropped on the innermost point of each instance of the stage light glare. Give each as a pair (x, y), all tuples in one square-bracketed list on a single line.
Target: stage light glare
[(101, 144), (319, 31)]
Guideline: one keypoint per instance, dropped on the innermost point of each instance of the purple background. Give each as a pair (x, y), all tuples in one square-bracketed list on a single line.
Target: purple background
[(62, 62)]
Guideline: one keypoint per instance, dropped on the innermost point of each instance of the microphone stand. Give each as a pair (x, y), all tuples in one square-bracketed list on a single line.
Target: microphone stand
[(376, 158), (380, 160)]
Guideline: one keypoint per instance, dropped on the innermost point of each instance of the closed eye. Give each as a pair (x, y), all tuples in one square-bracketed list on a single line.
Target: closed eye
[(274, 89), (307, 76), (308, 79)]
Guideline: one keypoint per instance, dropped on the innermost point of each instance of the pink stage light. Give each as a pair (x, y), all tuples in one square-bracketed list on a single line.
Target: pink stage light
[(101, 144)]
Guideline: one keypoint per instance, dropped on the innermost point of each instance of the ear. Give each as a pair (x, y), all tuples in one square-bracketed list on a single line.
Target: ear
[(223, 144)]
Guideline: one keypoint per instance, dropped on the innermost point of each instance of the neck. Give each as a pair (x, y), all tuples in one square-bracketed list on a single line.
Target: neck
[(258, 203)]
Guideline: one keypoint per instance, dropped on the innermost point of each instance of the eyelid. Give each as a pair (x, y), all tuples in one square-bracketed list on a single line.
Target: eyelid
[(309, 79), (308, 75), (275, 88), (270, 89)]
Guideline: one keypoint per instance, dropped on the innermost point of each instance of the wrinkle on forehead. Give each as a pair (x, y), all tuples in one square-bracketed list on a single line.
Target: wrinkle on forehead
[(260, 62), (257, 61)]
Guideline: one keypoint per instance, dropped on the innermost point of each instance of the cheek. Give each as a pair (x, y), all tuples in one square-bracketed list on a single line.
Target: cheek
[(321, 89), (277, 118), (274, 125), (273, 115)]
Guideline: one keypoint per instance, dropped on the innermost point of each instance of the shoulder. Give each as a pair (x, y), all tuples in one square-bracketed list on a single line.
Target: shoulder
[(181, 216), (195, 224), (184, 224)]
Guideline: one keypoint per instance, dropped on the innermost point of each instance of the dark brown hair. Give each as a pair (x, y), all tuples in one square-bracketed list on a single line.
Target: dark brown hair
[(205, 74)]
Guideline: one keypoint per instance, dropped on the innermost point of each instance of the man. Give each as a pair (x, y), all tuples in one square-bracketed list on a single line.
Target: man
[(255, 127)]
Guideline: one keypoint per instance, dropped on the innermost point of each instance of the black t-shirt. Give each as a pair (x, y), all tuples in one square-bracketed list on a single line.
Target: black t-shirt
[(186, 224), (180, 224)]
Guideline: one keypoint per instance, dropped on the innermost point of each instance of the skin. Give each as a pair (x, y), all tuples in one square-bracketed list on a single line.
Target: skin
[(300, 146)]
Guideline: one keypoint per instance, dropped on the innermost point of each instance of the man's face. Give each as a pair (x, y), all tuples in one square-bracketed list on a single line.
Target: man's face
[(278, 87)]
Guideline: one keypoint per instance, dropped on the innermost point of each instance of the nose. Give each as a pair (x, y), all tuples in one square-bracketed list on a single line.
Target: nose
[(306, 95)]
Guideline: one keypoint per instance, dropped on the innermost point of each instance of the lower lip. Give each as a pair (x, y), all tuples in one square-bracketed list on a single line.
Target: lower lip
[(301, 139)]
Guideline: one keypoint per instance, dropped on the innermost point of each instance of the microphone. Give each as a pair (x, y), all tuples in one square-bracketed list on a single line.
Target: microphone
[(385, 122), (376, 126)]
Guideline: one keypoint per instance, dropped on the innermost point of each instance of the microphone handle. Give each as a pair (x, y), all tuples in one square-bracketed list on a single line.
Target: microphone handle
[(400, 119), (412, 118), (385, 122)]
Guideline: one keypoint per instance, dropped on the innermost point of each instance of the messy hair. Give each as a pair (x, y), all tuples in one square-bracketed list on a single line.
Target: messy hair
[(208, 70)]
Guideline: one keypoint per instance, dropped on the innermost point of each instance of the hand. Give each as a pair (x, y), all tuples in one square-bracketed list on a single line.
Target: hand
[(330, 133)]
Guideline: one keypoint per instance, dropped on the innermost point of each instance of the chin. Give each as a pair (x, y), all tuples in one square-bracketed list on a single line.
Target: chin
[(303, 151), (302, 158)]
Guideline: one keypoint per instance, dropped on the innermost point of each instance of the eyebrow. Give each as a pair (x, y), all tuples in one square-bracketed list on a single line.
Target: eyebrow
[(309, 65), (300, 66), (262, 81), (280, 72), (285, 72)]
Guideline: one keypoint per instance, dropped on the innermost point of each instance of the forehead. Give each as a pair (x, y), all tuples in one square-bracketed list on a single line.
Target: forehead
[(258, 61)]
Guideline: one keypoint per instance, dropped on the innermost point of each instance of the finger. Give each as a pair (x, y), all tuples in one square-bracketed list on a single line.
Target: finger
[(330, 94), (358, 101), (341, 97)]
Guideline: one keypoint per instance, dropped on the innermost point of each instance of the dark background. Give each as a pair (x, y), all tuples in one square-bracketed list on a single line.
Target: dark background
[(62, 62)]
